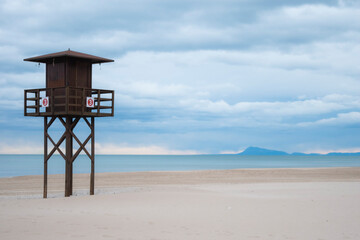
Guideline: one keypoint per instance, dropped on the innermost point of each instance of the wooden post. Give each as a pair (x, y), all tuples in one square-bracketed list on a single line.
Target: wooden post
[(25, 103), (70, 159), (52, 104), (112, 103), (83, 99), (98, 102), (45, 157), (67, 100), (37, 102), (68, 168), (92, 175)]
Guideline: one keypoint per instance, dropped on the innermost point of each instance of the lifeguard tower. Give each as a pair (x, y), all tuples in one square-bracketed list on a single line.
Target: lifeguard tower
[(69, 97)]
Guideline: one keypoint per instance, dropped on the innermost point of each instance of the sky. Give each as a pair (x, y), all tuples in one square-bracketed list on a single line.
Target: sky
[(194, 77)]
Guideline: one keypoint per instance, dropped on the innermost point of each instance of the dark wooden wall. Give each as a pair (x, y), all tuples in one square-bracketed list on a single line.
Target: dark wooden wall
[(73, 72), (55, 75), (79, 73)]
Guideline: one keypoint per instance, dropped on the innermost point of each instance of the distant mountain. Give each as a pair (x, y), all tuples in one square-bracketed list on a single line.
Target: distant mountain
[(262, 151)]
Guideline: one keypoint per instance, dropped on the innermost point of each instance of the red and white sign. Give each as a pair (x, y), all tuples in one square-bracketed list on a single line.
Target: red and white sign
[(45, 101), (89, 102)]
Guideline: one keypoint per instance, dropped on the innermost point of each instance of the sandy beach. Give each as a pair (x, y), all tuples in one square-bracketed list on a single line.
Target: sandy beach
[(219, 204)]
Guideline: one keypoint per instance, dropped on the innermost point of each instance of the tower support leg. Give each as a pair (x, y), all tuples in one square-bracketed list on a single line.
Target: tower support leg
[(69, 136), (69, 151), (45, 156), (92, 175), (71, 156)]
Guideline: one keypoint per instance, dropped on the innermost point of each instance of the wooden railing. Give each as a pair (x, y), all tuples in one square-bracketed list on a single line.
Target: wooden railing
[(69, 101)]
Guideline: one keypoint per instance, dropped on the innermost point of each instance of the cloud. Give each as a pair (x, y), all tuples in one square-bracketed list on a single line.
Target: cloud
[(25, 147), (20, 148), (143, 150), (116, 28), (215, 87), (341, 119), (231, 152), (294, 108)]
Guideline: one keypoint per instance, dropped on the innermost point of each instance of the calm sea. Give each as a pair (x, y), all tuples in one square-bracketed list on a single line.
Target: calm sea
[(19, 165)]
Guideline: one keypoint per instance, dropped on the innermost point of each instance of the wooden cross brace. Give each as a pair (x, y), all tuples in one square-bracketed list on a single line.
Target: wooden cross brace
[(69, 123)]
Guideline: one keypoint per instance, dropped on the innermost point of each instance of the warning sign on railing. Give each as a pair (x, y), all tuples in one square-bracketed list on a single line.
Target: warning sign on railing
[(45, 102), (89, 102)]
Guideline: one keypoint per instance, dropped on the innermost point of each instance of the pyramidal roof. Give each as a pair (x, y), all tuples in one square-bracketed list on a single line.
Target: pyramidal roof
[(69, 53)]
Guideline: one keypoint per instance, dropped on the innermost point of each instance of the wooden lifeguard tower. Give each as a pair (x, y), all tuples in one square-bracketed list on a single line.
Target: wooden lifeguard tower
[(69, 97)]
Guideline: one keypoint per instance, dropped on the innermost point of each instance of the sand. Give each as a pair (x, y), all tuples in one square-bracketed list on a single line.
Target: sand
[(222, 204)]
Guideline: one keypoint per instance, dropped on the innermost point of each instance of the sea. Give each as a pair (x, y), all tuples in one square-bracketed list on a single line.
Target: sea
[(21, 165)]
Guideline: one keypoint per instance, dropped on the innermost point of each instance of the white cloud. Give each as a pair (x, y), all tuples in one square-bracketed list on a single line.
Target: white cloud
[(21, 148), (228, 88), (286, 108), (143, 150), (341, 119), (309, 22), (231, 152)]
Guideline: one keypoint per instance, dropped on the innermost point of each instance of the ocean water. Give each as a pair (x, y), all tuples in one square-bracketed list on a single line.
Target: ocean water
[(19, 165)]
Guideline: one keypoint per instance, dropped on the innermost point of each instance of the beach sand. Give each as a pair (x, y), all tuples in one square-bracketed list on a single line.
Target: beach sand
[(220, 204)]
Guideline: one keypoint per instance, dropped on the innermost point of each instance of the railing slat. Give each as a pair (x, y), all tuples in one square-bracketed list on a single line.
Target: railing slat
[(37, 95), (25, 102), (83, 101), (52, 101), (98, 105)]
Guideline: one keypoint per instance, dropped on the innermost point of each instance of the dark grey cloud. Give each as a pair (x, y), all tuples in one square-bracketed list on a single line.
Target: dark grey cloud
[(36, 27)]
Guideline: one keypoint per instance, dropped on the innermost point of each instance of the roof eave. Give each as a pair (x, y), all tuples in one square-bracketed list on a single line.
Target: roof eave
[(48, 57)]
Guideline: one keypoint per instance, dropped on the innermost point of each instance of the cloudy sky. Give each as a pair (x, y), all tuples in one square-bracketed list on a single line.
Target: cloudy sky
[(197, 76)]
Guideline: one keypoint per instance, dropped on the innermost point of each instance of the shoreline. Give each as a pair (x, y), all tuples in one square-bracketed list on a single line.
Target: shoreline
[(29, 165), (33, 184), (196, 170)]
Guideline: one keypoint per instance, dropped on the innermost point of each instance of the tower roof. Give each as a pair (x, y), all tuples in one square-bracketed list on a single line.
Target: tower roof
[(49, 57)]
